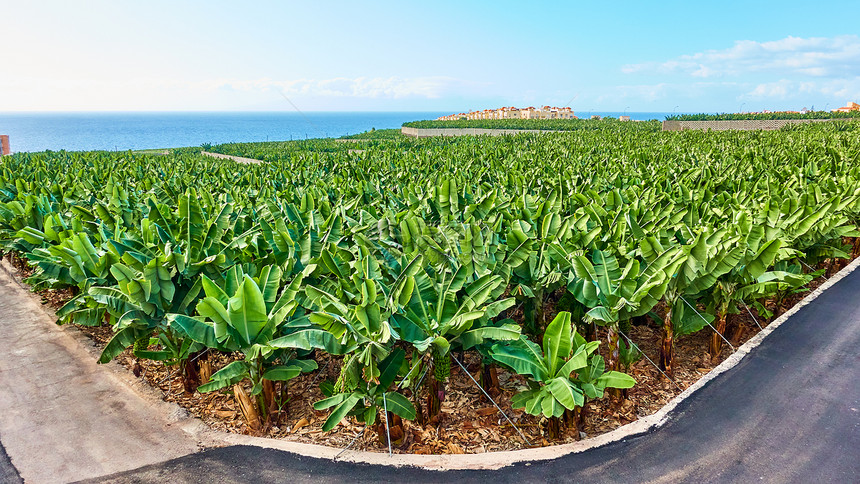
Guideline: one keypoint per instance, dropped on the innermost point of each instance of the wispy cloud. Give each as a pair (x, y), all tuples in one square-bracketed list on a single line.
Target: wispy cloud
[(220, 93), (814, 57), (667, 90), (432, 87), (789, 89)]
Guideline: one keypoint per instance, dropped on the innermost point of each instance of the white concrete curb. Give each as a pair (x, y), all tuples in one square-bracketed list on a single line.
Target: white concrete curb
[(207, 437), (496, 460)]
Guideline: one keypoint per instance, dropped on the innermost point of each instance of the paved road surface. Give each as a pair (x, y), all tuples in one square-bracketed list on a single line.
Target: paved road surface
[(62, 416), (789, 412), (8, 473)]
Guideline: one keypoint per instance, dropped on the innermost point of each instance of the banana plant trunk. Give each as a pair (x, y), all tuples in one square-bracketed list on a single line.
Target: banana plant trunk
[(191, 373), (667, 345), (777, 305), (205, 370), (831, 268), (489, 379), (716, 345), (614, 358), (420, 417), (139, 345), (441, 372), (572, 421), (394, 429), (534, 313), (738, 332), (268, 398), (344, 383), (249, 410), (553, 428), (435, 395)]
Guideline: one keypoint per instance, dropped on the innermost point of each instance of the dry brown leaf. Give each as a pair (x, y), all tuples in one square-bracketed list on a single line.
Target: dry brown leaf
[(454, 448), (300, 424), (483, 412)]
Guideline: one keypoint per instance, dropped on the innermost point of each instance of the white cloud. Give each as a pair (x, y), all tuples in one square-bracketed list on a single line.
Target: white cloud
[(815, 57), (789, 89), (362, 87), (51, 93)]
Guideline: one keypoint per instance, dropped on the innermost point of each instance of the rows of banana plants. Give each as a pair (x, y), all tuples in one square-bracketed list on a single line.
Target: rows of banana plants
[(397, 259), (764, 116), (542, 124), (393, 133)]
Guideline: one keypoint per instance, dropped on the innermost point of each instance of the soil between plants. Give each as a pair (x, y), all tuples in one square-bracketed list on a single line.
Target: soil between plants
[(469, 422)]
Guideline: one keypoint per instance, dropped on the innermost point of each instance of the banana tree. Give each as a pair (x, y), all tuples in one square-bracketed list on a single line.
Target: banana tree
[(248, 319), (742, 282), (537, 258), (74, 262), (553, 384), (353, 308), (443, 312), (367, 399), (145, 293), (709, 255), (784, 280), (614, 294)]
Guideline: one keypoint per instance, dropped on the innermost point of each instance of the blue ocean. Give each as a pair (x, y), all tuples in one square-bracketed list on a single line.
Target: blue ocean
[(120, 131)]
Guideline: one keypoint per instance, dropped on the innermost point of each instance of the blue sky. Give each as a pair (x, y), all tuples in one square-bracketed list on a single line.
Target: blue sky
[(428, 56)]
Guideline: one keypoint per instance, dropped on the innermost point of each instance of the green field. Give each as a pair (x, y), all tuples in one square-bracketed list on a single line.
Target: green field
[(764, 116), (541, 124), (519, 250)]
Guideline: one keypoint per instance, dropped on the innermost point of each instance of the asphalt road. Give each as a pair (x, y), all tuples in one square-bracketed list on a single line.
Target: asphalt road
[(64, 417), (789, 412), (8, 473)]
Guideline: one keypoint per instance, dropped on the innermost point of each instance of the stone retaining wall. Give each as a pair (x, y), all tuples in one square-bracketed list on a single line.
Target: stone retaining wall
[(428, 132), (740, 125)]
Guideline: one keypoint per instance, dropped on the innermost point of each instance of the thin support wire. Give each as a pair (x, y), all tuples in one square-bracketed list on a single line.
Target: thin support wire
[(145, 369), (650, 360), (813, 269), (319, 373), (169, 375), (387, 432), (409, 374), (303, 116), (201, 354), (491, 399), (421, 378), (709, 324), (751, 315), (359, 434)]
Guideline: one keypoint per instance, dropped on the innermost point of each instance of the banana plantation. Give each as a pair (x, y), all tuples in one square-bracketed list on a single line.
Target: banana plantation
[(389, 264)]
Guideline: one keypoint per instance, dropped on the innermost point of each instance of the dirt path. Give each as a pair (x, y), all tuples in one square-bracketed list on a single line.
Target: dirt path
[(237, 159), (64, 417)]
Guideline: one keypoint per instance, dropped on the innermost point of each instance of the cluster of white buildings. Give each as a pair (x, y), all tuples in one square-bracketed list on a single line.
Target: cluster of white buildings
[(851, 106), (546, 112)]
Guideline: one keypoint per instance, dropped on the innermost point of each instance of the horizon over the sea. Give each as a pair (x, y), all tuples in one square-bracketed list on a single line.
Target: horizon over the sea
[(32, 131)]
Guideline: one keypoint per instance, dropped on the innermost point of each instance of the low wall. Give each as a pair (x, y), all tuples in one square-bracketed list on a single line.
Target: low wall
[(4, 145), (739, 125), (429, 132)]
